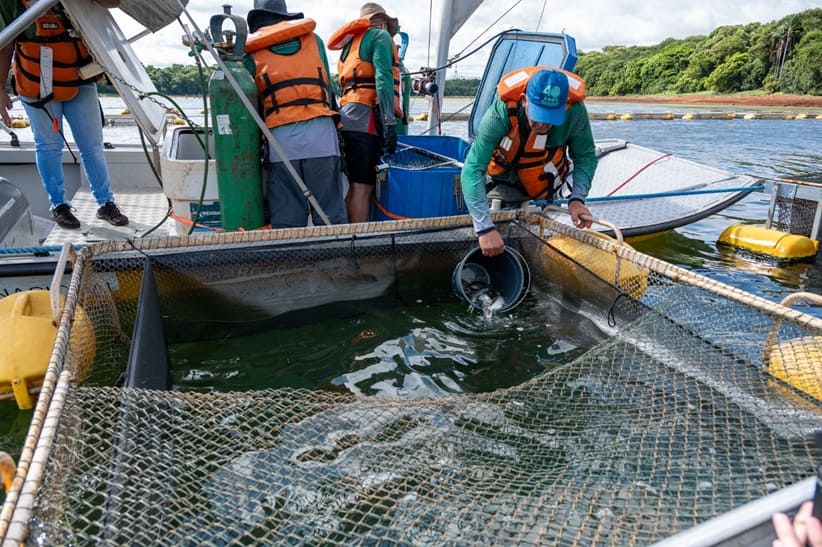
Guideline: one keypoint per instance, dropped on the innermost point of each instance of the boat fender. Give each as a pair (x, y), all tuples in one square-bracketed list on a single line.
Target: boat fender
[(27, 335), (275, 34), (343, 35), (631, 278)]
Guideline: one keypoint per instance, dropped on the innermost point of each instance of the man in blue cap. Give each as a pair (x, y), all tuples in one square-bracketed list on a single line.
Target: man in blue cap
[(536, 140)]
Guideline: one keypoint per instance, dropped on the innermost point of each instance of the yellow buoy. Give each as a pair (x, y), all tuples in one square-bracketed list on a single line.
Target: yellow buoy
[(177, 121), (27, 335), (819, 117), (125, 112), (611, 117), (790, 116), (20, 123), (729, 115), (768, 241), (627, 116), (752, 116), (625, 275), (688, 116), (802, 116), (799, 363), (668, 116), (8, 470)]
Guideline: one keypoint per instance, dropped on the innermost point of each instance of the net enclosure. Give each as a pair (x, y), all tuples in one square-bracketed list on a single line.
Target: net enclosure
[(698, 399)]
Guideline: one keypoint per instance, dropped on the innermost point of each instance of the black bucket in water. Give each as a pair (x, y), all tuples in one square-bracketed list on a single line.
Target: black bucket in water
[(506, 274)]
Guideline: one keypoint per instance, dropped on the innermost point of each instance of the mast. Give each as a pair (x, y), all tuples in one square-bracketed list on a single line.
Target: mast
[(454, 14)]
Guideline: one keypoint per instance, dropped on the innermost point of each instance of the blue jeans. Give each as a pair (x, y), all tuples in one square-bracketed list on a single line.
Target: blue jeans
[(83, 115)]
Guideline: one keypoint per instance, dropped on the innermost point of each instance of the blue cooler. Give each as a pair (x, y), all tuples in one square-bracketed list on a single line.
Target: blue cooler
[(421, 179)]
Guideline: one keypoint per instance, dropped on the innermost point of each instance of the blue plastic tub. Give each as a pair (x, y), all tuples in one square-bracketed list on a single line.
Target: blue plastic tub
[(421, 179)]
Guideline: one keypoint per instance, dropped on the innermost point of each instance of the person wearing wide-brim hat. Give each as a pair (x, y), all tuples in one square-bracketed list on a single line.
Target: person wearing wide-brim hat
[(291, 72), (377, 15), (370, 101), (269, 12)]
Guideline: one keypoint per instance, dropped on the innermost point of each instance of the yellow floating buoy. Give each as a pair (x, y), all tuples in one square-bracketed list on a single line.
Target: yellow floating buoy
[(625, 275), (611, 117), (729, 115), (8, 469), (802, 116), (125, 112), (668, 116), (752, 116), (799, 363), (422, 117), (770, 242), (688, 116), (177, 121), (27, 335), (790, 116), (627, 116), (819, 117), (20, 123)]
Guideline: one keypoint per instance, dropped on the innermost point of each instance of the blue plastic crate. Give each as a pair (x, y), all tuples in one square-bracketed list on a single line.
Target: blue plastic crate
[(421, 179)]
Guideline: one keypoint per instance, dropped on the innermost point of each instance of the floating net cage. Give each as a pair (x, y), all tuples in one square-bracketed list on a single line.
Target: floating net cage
[(796, 205), (675, 417)]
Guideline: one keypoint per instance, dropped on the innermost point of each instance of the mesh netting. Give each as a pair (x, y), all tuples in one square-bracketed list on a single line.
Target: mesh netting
[(797, 201), (795, 215), (678, 416)]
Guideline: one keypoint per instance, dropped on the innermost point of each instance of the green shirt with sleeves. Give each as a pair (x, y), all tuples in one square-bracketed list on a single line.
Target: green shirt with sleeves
[(495, 124)]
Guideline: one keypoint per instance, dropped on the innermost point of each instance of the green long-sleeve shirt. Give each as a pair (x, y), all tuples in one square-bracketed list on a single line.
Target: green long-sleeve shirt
[(495, 124)]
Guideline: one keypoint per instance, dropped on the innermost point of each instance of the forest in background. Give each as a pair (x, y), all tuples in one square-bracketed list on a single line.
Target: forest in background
[(780, 56)]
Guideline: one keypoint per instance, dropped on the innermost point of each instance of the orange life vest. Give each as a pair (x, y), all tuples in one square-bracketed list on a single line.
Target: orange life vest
[(541, 170), (52, 30), (357, 76), (292, 88)]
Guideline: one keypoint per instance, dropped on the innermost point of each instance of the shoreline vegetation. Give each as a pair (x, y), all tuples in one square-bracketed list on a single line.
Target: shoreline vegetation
[(749, 101)]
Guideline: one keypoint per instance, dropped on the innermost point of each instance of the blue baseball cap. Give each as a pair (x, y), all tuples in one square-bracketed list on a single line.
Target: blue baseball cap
[(547, 93)]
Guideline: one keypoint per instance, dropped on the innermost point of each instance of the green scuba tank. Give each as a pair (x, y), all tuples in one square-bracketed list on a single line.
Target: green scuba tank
[(237, 138)]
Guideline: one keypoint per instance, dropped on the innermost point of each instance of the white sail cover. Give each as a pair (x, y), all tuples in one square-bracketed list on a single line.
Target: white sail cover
[(113, 51)]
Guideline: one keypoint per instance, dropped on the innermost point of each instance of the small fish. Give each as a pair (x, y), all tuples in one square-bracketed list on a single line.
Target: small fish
[(363, 335), (484, 296)]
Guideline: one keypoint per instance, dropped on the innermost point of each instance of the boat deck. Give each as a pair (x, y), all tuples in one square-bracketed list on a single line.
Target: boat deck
[(144, 209)]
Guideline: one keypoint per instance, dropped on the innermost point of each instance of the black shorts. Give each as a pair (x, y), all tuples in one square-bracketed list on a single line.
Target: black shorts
[(362, 154)]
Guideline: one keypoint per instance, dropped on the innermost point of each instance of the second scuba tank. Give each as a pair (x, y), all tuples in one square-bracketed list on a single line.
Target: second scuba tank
[(236, 135)]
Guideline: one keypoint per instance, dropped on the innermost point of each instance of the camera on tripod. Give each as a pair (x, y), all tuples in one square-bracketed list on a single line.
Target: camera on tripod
[(426, 84)]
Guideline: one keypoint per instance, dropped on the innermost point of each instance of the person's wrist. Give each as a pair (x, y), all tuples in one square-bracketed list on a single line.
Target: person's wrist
[(486, 231), (577, 200)]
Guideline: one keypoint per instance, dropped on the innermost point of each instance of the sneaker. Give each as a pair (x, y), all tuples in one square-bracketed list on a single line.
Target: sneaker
[(64, 218), (111, 214)]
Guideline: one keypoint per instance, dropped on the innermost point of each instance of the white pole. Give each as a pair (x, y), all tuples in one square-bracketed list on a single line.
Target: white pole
[(442, 57)]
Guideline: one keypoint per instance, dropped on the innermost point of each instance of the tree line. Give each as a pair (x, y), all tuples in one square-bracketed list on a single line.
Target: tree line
[(782, 55)]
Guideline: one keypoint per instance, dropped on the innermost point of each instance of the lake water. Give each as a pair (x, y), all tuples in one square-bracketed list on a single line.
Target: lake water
[(444, 349), (765, 149)]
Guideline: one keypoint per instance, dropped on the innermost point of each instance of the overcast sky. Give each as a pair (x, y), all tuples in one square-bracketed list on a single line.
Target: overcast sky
[(593, 23)]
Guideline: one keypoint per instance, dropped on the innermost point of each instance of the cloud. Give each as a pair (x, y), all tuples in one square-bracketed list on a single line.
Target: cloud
[(593, 23)]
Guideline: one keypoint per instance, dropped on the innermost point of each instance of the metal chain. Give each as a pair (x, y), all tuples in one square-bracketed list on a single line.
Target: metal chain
[(138, 92)]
